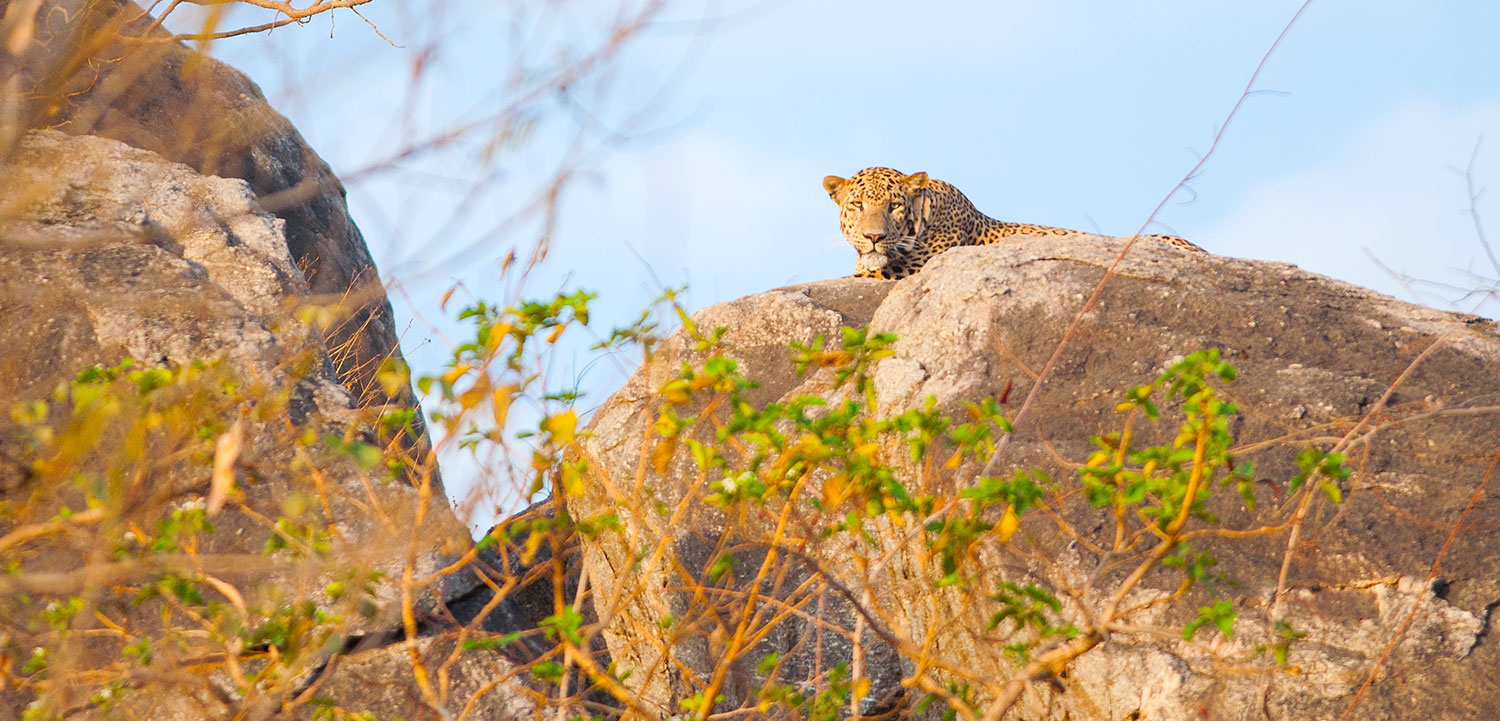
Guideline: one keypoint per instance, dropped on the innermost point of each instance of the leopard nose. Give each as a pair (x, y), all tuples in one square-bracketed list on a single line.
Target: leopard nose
[(874, 237)]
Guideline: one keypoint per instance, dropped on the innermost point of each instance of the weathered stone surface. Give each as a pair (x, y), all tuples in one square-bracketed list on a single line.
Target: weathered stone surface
[(480, 685), (85, 71), (140, 258), (112, 252), (1315, 356)]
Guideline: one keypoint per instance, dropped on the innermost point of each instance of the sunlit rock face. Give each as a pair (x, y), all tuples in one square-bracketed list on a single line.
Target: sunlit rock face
[(111, 253), (1316, 358), (85, 71), (177, 218)]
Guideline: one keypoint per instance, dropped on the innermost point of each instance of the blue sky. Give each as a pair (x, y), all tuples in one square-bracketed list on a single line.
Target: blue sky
[(702, 155)]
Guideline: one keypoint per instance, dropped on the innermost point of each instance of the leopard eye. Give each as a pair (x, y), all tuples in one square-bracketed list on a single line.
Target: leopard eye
[(855, 204)]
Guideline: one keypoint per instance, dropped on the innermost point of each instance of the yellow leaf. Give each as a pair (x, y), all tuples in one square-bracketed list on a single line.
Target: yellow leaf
[(835, 490), (665, 425), (497, 334), (562, 427), (661, 455), (394, 376), (834, 358), (226, 456), (540, 461), (954, 460), (456, 372), (501, 402), (809, 445), (860, 688), (533, 543), (1008, 524), (677, 392), (475, 394), (315, 315), (572, 480)]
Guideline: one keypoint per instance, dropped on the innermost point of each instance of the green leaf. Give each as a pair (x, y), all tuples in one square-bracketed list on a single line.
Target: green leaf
[(1332, 489), (1222, 615), (366, 455), (549, 671), (494, 642), (722, 565), (566, 623)]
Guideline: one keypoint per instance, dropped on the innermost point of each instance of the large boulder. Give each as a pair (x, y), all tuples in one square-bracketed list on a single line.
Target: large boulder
[(321, 557), (106, 68), (1318, 365), (116, 252)]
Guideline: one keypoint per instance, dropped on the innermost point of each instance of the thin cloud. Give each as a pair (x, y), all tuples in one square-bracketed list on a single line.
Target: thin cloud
[(1395, 188)]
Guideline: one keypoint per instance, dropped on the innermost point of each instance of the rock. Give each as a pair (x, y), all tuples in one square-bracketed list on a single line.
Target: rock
[(113, 253), (1314, 355), (482, 685), (119, 245), (83, 73), (110, 253)]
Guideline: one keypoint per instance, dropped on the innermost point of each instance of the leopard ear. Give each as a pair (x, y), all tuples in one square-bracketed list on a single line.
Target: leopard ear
[(920, 208), (833, 184), (915, 181)]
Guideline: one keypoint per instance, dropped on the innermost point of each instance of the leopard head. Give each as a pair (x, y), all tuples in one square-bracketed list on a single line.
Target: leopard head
[(881, 213)]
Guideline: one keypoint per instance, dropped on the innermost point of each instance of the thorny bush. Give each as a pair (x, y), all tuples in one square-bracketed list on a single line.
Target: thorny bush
[(115, 584)]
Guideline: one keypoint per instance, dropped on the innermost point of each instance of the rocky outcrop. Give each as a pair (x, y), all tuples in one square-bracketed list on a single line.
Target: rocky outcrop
[(83, 213), (1318, 363), (82, 68), (112, 252), (135, 251), (328, 586)]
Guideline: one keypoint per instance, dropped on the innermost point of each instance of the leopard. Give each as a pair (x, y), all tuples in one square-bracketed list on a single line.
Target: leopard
[(898, 222)]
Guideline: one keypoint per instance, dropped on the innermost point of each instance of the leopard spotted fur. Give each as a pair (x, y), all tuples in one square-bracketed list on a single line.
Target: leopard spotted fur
[(898, 222)]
